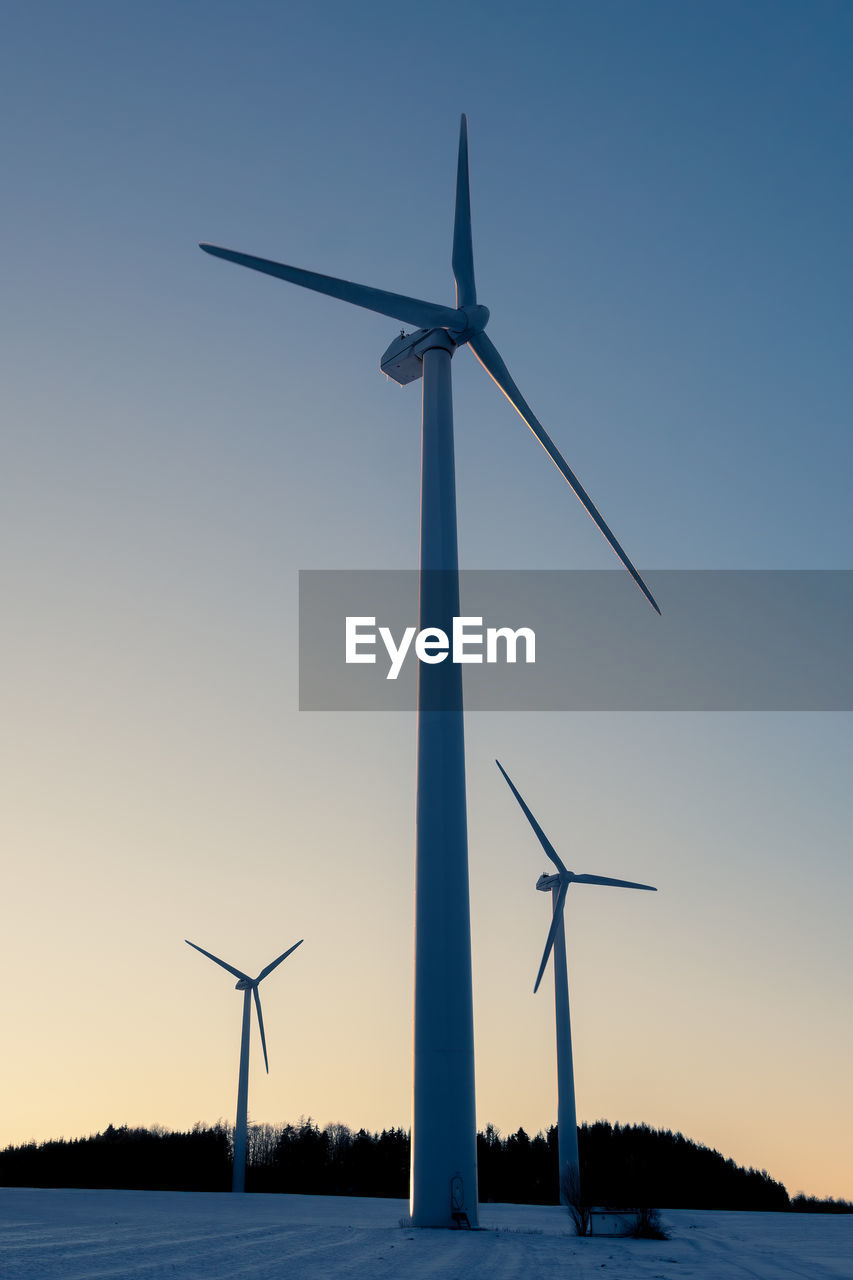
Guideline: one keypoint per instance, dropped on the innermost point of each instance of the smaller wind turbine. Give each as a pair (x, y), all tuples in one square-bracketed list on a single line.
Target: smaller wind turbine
[(567, 1121), (249, 987)]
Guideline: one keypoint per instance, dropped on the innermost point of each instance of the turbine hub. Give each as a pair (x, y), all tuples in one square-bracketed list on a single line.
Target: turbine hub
[(477, 317)]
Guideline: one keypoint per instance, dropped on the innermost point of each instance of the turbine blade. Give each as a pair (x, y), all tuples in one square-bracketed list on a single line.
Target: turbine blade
[(426, 315), (621, 884), (463, 249), (216, 960), (552, 932), (263, 973), (543, 839), (488, 355), (261, 1027)]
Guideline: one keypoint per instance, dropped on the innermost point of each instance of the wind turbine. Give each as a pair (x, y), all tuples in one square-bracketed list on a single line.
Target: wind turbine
[(558, 885), (444, 1142), (249, 987)]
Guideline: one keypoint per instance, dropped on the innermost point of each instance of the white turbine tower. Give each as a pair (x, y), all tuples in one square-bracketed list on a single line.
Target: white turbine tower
[(558, 885), (444, 1135), (249, 987)]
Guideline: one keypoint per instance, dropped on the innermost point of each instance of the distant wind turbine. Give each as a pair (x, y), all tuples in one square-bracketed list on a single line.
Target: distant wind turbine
[(249, 987), (567, 1121), (444, 1129)]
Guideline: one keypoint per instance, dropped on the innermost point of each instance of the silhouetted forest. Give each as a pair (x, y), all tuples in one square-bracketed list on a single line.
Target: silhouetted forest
[(811, 1204), (626, 1165), (131, 1159)]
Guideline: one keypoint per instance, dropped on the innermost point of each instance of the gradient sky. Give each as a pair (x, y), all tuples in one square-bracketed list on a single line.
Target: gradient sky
[(662, 201)]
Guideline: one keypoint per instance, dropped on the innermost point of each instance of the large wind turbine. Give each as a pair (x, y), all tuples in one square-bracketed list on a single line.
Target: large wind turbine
[(444, 1142), (249, 987), (558, 885)]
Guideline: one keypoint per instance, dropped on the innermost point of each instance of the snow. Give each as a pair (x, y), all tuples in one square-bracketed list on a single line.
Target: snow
[(146, 1235)]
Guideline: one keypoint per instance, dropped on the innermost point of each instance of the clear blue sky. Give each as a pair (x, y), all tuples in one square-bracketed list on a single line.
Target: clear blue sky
[(662, 200)]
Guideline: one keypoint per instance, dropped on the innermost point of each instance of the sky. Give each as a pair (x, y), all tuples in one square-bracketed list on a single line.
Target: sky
[(661, 207)]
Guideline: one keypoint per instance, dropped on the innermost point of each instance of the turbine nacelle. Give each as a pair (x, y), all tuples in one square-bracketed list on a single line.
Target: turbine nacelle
[(245, 984), (403, 360), (546, 883)]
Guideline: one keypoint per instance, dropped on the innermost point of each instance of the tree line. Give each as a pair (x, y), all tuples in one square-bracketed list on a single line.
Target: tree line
[(625, 1165)]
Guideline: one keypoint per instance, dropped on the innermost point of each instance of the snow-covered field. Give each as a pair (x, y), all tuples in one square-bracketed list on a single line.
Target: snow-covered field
[(81, 1235)]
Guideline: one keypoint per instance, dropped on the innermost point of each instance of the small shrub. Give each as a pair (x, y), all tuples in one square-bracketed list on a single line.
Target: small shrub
[(578, 1207), (649, 1226)]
